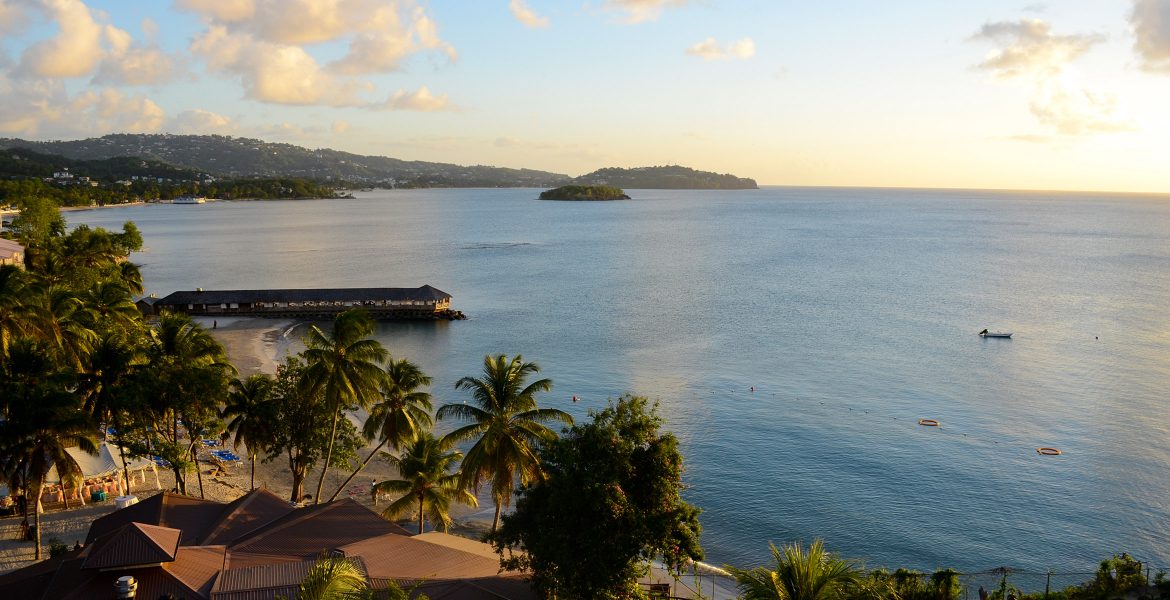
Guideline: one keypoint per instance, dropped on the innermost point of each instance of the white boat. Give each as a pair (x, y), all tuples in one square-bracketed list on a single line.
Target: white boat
[(994, 334), (189, 200)]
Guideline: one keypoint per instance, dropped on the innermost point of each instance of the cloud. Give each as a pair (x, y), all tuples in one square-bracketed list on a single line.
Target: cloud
[(526, 15), (276, 73), (44, 109), (421, 100), (12, 16), (1028, 47), (73, 52), (1150, 20), (709, 49), (638, 11), (199, 121), (129, 64), (340, 127), (1074, 111), (1028, 51), (265, 44)]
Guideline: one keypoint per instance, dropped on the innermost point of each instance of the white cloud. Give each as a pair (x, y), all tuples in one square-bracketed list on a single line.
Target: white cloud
[(1028, 51), (340, 126), (526, 15), (710, 49), (1150, 20), (74, 51), (421, 100), (226, 11), (203, 122), (637, 11), (128, 64), (44, 109)]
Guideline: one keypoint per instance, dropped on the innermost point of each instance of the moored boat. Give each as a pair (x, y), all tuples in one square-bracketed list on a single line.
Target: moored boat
[(994, 334)]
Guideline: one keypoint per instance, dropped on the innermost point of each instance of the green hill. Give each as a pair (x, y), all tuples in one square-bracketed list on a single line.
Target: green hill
[(666, 178), (584, 192)]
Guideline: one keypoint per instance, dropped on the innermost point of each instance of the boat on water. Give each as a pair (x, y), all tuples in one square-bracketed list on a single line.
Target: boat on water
[(189, 200), (994, 334)]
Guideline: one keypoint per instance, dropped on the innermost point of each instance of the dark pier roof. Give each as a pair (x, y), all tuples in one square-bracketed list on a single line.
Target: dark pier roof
[(425, 293)]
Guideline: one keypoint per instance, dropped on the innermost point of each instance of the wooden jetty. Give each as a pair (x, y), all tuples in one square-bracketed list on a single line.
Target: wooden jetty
[(423, 302)]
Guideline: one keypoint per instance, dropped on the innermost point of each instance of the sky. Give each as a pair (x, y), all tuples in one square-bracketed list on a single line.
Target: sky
[(1062, 95)]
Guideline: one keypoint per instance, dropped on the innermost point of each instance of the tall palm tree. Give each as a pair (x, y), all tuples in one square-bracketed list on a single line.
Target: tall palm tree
[(334, 578), (427, 483), (507, 426), (15, 306), (401, 416), (248, 413), (343, 365), (107, 383), (798, 575)]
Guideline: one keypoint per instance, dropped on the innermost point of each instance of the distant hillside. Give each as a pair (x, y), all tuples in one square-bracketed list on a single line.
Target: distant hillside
[(229, 157), (22, 162), (665, 178)]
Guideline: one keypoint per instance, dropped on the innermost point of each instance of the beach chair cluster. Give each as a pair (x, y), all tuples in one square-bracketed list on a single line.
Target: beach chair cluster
[(226, 455)]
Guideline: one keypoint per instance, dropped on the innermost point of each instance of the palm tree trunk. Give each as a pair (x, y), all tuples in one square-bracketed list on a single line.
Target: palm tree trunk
[(420, 514), (356, 471), (499, 509), (37, 517), (253, 457), (122, 453), (198, 471), (328, 457)]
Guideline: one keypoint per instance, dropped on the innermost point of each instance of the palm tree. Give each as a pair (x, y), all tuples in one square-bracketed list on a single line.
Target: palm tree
[(403, 413), (333, 578), (798, 575), (427, 483), (15, 308), (107, 384), (45, 418), (189, 369), (343, 366), (248, 414), (506, 424)]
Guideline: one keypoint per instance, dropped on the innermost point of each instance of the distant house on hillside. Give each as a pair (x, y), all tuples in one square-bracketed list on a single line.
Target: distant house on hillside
[(11, 253), (257, 548)]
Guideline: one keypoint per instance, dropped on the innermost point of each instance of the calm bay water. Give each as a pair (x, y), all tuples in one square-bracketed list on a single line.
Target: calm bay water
[(852, 312)]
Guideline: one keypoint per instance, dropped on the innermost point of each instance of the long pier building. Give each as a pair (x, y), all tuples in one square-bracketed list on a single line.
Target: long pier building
[(423, 302)]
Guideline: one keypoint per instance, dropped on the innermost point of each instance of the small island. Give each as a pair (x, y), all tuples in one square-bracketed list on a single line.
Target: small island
[(584, 192)]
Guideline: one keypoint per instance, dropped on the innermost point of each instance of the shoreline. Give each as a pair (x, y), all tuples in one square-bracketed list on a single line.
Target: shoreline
[(99, 206)]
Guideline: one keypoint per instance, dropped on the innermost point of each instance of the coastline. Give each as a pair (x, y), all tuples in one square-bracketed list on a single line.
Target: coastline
[(97, 207)]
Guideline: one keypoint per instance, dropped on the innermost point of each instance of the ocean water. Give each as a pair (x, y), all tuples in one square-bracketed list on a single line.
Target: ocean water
[(792, 337)]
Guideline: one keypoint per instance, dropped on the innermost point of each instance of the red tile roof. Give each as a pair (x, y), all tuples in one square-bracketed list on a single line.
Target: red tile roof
[(306, 532), (194, 517), (394, 556), (247, 514)]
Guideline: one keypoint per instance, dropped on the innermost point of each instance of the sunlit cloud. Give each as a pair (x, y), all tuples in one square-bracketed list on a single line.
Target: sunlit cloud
[(526, 15), (710, 49), (43, 108), (1028, 47), (340, 126), (420, 100), (265, 44), (1027, 50), (638, 11), (201, 122), (1150, 20), (130, 64), (12, 16), (74, 51)]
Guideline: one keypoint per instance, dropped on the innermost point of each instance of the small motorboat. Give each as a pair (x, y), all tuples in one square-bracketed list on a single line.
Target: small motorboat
[(994, 334)]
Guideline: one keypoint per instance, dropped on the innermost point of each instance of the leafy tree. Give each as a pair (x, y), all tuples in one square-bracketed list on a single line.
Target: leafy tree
[(401, 416), (798, 574), (506, 424), (38, 222), (248, 414), (428, 484), (343, 367), (301, 427), (610, 503)]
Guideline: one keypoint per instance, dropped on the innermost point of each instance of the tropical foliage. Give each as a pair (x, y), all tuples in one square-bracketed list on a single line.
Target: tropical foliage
[(506, 424), (609, 504), (428, 484), (798, 574)]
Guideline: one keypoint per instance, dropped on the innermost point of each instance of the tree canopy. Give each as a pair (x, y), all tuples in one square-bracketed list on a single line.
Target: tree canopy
[(609, 503)]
